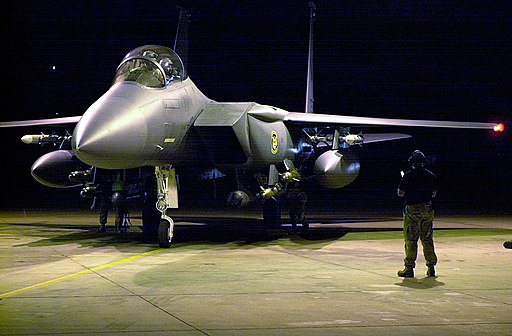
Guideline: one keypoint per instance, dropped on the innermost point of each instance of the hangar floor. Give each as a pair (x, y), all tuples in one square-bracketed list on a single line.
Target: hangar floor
[(58, 276)]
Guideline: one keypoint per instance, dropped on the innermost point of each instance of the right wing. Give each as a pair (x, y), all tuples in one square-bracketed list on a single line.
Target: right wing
[(41, 122)]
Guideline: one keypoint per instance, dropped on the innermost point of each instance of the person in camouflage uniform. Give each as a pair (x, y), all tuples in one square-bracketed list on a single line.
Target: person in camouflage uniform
[(418, 186), (297, 198)]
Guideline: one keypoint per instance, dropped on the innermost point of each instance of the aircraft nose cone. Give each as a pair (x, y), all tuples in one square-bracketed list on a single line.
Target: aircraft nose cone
[(111, 134)]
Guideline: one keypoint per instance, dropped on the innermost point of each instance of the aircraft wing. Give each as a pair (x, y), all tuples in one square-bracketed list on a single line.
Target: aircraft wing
[(327, 119), (41, 122)]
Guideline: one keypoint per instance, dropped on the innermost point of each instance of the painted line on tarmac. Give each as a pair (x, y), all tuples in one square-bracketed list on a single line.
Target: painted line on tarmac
[(74, 275)]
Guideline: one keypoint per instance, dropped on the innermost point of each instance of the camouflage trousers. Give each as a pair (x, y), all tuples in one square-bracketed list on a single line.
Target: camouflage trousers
[(297, 201), (418, 224)]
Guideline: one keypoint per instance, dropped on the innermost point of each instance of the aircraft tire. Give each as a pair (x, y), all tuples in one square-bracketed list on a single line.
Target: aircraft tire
[(164, 234)]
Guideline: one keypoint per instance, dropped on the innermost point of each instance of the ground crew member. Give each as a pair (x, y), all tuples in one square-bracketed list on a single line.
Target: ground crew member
[(119, 202), (111, 195), (418, 186), (105, 205), (297, 199), (102, 194)]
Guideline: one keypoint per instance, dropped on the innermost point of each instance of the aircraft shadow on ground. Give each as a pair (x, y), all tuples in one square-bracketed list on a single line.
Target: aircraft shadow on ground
[(217, 230), (246, 232)]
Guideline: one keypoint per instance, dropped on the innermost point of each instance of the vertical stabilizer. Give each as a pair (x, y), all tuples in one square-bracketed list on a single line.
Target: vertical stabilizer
[(181, 41), (309, 85)]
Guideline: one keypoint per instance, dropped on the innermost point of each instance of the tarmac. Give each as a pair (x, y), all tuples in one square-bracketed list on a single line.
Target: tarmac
[(220, 277)]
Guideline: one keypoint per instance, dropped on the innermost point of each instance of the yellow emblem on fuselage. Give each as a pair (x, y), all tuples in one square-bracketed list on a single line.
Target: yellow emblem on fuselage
[(275, 143)]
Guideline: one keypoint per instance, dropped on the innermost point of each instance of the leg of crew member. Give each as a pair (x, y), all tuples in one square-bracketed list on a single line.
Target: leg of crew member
[(426, 236)]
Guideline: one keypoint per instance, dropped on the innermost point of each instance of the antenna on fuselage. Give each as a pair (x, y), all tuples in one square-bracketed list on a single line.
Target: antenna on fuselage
[(309, 86), (181, 41)]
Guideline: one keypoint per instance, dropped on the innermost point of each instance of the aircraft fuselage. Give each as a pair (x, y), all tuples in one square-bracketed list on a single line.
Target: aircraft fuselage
[(132, 126)]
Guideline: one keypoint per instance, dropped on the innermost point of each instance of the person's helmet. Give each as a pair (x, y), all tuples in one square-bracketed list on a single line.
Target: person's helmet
[(417, 159), (166, 64)]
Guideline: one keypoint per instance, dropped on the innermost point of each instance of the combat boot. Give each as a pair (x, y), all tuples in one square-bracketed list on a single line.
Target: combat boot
[(431, 272), (407, 272)]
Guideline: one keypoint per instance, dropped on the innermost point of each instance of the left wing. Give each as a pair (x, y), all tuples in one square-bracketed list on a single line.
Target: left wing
[(297, 117), (41, 122), (312, 120)]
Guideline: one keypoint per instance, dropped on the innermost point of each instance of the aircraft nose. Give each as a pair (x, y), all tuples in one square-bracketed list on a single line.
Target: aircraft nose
[(111, 134)]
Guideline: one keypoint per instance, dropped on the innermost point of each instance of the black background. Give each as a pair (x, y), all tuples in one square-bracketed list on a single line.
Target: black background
[(441, 60)]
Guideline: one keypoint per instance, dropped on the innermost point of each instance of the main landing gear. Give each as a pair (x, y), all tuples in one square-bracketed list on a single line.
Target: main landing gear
[(167, 197)]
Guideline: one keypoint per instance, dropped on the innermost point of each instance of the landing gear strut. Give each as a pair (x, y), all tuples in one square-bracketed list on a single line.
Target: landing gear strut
[(167, 197)]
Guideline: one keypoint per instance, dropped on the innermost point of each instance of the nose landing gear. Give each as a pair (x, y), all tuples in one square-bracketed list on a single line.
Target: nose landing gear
[(167, 197)]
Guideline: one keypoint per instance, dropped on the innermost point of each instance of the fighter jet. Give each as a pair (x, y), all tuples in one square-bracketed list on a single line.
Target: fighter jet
[(153, 115)]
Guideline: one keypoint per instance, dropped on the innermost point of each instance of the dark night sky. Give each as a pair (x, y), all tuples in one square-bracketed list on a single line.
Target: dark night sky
[(443, 60)]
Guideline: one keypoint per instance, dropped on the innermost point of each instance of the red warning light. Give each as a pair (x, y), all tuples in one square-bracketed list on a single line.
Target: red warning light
[(499, 128)]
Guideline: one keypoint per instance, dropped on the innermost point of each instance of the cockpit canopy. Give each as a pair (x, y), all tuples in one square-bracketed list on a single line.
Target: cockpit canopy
[(153, 66)]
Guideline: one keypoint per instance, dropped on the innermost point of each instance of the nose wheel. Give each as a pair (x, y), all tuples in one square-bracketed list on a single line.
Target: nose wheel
[(165, 232)]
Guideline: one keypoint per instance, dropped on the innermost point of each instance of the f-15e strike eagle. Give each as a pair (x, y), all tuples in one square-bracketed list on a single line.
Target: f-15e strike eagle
[(154, 115)]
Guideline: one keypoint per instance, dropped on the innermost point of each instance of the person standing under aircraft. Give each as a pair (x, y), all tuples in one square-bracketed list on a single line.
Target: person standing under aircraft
[(418, 186), (297, 199), (111, 195), (104, 209), (103, 195), (119, 202)]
